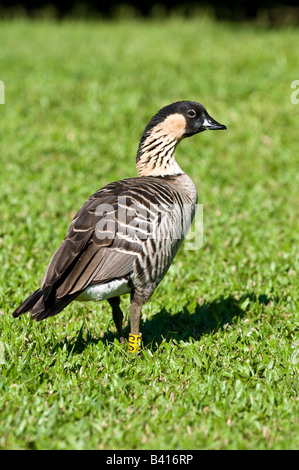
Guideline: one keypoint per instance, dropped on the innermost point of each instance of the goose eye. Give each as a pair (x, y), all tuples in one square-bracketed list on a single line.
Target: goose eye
[(191, 113)]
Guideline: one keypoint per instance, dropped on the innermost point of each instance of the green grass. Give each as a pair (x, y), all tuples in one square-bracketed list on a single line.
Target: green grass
[(219, 366)]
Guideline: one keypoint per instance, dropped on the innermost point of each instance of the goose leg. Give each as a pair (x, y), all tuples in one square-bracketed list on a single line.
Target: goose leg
[(135, 314), (117, 317), (135, 336)]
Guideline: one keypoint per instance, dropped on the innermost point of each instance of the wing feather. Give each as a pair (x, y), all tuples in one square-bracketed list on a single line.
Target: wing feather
[(91, 254)]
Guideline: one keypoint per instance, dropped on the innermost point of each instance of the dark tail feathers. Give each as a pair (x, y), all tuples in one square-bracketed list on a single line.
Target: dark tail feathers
[(41, 307), (28, 304)]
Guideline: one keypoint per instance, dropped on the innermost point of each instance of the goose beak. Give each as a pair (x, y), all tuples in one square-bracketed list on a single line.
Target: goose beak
[(210, 124)]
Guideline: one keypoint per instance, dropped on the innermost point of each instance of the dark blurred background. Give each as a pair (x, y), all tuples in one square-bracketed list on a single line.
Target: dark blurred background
[(272, 11)]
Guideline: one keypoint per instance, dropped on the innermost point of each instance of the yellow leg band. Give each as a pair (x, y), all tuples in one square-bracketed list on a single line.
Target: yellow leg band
[(135, 343)]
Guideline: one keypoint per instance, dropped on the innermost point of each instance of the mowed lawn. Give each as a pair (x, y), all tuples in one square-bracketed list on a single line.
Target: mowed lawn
[(219, 365)]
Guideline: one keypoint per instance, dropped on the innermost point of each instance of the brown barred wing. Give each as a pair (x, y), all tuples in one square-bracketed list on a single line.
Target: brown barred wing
[(94, 250)]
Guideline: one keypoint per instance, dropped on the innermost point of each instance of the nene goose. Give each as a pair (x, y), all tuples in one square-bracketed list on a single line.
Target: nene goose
[(125, 236)]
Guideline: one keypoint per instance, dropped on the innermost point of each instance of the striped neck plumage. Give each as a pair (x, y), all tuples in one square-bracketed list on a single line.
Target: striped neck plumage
[(155, 156)]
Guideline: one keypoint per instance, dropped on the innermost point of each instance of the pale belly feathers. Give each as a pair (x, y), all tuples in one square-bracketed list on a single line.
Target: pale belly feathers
[(105, 291)]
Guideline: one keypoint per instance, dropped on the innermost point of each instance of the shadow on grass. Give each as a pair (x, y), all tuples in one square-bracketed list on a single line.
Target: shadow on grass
[(205, 318)]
